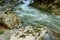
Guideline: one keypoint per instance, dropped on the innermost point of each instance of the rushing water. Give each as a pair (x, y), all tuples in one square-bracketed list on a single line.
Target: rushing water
[(32, 16)]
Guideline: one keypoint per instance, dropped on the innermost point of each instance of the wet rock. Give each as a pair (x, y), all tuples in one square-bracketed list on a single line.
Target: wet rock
[(28, 33), (10, 19)]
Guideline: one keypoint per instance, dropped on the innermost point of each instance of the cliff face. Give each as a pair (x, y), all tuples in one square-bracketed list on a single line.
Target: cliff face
[(48, 5)]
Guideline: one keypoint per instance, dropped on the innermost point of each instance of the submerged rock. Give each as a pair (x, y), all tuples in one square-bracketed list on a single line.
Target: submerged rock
[(10, 19), (28, 33)]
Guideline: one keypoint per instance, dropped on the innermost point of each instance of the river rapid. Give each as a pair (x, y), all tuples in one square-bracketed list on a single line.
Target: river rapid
[(35, 17)]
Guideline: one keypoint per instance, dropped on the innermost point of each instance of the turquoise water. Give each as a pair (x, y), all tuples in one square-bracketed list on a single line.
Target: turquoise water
[(32, 16)]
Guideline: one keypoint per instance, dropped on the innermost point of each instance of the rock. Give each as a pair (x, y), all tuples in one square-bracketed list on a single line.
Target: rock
[(5, 35), (10, 19), (28, 33), (8, 2), (48, 5)]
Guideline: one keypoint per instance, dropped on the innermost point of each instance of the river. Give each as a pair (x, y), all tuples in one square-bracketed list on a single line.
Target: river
[(35, 17)]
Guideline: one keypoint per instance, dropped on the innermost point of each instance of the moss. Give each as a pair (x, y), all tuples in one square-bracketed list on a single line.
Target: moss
[(7, 38), (1, 32)]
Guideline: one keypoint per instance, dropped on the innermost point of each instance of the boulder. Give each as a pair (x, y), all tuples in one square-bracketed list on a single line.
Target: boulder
[(10, 19), (28, 33)]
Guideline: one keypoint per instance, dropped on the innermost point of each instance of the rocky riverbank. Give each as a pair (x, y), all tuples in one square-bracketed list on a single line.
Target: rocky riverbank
[(7, 4), (48, 5), (10, 19)]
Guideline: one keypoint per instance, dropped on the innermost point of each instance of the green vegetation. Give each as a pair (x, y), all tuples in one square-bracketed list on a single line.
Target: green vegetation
[(1, 32), (7, 38)]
